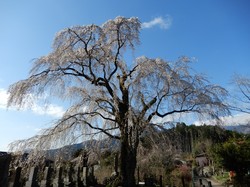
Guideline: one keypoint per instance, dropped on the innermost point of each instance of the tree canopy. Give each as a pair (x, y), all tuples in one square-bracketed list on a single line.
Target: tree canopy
[(234, 155), (110, 96)]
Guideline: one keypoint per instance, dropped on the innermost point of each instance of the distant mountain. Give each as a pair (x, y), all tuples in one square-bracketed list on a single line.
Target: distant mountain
[(65, 152), (245, 129), (68, 151)]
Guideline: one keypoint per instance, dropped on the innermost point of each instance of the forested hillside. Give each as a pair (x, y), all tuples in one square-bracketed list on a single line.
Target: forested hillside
[(190, 138)]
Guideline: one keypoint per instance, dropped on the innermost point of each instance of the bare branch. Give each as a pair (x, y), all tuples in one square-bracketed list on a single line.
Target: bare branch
[(241, 97)]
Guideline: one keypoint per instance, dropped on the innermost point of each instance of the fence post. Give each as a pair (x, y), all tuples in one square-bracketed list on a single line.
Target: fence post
[(15, 178), (68, 179), (84, 175), (32, 178), (77, 176), (57, 180), (46, 178)]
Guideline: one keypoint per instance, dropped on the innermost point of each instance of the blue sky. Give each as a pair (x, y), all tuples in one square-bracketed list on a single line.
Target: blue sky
[(216, 33)]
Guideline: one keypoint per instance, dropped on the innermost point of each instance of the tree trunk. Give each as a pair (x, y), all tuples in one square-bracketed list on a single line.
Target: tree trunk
[(128, 163)]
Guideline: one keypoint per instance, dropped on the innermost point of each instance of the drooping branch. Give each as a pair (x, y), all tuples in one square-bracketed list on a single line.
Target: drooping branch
[(245, 91), (82, 118)]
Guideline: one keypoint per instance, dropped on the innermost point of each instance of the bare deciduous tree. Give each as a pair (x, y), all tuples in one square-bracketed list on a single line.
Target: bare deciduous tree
[(109, 96), (242, 97)]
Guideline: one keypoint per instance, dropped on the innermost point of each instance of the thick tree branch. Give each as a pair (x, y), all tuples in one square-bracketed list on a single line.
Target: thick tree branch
[(147, 106), (105, 131)]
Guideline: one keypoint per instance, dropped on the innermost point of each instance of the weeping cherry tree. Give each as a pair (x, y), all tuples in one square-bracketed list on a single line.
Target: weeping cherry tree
[(108, 96)]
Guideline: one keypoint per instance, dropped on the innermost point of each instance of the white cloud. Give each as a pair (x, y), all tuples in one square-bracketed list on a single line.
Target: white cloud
[(48, 109), (162, 22), (237, 119)]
